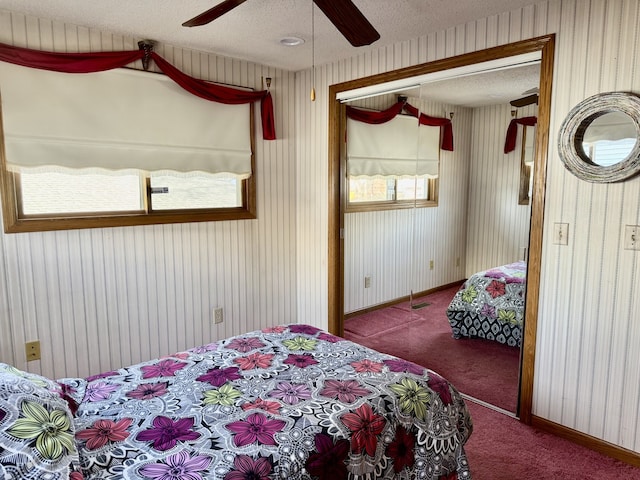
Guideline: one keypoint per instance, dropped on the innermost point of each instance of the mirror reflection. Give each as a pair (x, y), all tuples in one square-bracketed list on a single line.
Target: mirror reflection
[(527, 164), (435, 261), (609, 138)]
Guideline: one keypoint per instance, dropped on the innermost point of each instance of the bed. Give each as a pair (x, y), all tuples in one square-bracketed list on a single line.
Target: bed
[(490, 305), (289, 402)]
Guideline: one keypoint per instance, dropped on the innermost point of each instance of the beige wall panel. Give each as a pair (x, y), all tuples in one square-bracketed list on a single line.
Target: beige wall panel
[(588, 333), (104, 298)]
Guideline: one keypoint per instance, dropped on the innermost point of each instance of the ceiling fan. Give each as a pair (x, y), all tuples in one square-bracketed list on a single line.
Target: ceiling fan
[(531, 97), (343, 14)]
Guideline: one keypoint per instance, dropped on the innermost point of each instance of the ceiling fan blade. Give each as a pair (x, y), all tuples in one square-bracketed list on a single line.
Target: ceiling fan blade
[(524, 101), (213, 13), (349, 21)]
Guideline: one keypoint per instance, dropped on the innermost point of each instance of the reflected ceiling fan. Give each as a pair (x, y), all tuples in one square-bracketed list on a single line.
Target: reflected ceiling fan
[(530, 97), (343, 14)]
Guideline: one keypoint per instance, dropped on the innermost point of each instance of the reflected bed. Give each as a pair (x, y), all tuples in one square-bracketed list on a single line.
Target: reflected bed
[(490, 305)]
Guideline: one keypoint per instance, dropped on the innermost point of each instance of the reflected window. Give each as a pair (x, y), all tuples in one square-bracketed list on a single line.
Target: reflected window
[(526, 164), (392, 165), (385, 189), (609, 139)]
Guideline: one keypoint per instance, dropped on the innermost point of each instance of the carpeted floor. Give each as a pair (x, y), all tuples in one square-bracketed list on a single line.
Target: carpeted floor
[(480, 368), (501, 447)]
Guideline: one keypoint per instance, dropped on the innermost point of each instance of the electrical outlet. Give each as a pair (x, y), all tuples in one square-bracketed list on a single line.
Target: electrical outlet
[(430, 264), (33, 350), (367, 281), (457, 261), (217, 315)]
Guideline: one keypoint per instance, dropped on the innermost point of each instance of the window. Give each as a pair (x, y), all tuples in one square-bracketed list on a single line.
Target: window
[(526, 164), (81, 154), (392, 165), (385, 189)]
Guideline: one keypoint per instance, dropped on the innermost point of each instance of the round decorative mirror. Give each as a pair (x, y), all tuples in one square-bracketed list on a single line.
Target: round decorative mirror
[(599, 141)]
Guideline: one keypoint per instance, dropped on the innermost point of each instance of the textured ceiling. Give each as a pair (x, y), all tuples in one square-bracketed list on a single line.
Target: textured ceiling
[(489, 88), (252, 30)]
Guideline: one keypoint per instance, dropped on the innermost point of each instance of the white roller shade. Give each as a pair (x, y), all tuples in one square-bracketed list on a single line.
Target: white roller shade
[(118, 119), (395, 148)]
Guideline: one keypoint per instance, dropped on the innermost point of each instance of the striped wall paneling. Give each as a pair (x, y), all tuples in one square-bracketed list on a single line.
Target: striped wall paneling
[(103, 298)]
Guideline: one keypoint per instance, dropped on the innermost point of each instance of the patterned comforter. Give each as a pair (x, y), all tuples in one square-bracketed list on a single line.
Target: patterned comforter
[(490, 305), (290, 402)]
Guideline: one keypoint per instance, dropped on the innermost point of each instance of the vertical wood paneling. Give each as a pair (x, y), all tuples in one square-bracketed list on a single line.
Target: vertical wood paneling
[(103, 298), (498, 227), (482, 224), (394, 247), (588, 327), (588, 330)]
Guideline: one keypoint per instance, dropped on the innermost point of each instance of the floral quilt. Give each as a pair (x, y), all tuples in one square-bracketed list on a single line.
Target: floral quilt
[(289, 402), (490, 305)]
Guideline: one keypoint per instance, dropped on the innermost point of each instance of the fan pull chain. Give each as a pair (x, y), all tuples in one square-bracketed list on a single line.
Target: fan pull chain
[(313, 54)]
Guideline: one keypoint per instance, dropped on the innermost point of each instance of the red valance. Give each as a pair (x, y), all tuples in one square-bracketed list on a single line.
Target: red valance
[(445, 123), (512, 131), (375, 117), (100, 61)]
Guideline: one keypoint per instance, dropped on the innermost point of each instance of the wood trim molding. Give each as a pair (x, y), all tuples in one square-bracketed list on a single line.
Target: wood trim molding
[(534, 261), (401, 299), (592, 443)]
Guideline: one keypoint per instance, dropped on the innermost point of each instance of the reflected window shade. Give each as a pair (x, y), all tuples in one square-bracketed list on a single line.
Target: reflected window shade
[(118, 119), (398, 147)]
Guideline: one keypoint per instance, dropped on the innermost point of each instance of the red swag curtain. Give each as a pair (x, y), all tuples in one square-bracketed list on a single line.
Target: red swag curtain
[(374, 117), (512, 131), (100, 61), (444, 123)]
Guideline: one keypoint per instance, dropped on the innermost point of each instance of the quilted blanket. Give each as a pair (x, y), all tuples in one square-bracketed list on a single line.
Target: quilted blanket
[(290, 402), (490, 305)]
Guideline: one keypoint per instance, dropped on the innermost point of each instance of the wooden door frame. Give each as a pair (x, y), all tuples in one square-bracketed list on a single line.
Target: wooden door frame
[(337, 118)]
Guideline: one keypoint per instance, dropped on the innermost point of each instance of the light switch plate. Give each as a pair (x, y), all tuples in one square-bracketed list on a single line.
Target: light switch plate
[(631, 240), (561, 233)]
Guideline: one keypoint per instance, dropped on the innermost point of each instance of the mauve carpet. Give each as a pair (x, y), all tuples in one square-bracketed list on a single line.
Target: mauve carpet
[(501, 447), (480, 368)]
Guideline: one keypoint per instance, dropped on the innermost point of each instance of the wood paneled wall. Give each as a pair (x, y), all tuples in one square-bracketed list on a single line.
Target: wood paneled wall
[(498, 227), (133, 281), (104, 298), (587, 364), (395, 247)]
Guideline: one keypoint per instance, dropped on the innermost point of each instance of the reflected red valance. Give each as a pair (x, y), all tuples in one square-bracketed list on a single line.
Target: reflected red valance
[(372, 116), (100, 61), (445, 123), (375, 117), (512, 131)]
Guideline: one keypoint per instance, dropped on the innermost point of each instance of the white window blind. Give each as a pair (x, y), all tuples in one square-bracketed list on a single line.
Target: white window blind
[(396, 148), (118, 119)]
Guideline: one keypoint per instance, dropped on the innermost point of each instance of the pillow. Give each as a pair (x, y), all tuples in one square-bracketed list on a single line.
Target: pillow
[(36, 428)]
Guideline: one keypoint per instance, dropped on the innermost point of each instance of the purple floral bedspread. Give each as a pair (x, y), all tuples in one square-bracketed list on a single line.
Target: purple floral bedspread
[(490, 305), (290, 402)]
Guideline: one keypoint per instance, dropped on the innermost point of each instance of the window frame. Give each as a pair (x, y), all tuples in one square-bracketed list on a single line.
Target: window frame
[(526, 171), (15, 222), (431, 201)]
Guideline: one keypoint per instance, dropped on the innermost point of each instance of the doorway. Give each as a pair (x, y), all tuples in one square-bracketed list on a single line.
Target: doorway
[(337, 201)]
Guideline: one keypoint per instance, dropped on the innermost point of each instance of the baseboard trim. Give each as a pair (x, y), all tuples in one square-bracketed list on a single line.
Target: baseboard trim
[(592, 443), (379, 306)]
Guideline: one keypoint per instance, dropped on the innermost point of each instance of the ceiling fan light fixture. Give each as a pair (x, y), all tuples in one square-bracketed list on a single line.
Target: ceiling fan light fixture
[(291, 41)]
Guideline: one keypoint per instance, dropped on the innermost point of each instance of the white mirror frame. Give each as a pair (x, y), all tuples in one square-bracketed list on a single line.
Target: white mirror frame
[(572, 133)]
